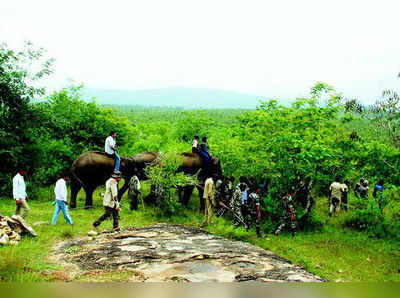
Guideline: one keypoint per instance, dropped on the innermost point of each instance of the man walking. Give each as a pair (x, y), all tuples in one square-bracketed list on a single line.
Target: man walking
[(19, 194), (208, 196), (336, 191), (61, 194), (110, 202), (110, 148)]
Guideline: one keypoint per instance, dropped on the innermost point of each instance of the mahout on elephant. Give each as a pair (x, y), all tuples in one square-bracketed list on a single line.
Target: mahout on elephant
[(92, 169)]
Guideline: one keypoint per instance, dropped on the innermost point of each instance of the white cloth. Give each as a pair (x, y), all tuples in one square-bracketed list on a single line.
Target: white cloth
[(61, 190), (110, 142), (19, 187)]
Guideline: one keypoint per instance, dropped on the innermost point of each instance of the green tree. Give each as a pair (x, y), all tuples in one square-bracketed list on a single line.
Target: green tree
[(17, 119)]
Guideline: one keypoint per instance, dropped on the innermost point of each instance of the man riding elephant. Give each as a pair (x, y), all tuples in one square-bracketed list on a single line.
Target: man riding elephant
[(204, 151), (110, 147), (93, 168)]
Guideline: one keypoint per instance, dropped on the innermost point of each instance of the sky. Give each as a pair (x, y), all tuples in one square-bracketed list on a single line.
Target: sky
[(266, 48)]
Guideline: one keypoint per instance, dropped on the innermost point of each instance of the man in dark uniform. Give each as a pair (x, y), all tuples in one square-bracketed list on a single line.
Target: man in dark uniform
[(288, 219), (236, 204), (253, 215)]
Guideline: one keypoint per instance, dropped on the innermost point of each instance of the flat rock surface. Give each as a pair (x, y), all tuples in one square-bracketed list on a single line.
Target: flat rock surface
[(174, 253)]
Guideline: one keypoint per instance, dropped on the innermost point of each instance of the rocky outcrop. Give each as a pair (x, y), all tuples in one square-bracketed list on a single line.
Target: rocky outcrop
[(177, 253)]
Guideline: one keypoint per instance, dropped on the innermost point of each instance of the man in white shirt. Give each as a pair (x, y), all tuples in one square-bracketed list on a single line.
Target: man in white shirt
[(61, 202), (336, 191), (111, 149), (19, 194), (110, 202)]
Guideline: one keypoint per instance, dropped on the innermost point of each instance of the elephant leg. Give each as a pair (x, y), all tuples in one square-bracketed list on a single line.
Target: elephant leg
[(124, 188), (151, 198), (75, 187), (133, 203), (188, 190), (202, 203), (180, 188), (89, 196)]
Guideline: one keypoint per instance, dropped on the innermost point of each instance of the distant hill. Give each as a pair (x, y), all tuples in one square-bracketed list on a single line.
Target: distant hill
[(188, 98)]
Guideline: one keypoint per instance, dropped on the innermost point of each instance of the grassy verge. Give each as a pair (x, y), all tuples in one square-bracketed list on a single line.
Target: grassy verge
[(335, 253)]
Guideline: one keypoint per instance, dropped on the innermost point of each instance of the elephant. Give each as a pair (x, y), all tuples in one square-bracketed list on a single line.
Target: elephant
[(94, 168), (193, 163)]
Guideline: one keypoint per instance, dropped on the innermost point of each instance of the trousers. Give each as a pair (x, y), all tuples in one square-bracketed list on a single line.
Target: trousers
[(61, 206), (23, 205), (208, 210), (108, 212)]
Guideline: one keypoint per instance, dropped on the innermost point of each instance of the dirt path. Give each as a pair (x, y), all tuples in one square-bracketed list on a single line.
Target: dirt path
[(172, 253)]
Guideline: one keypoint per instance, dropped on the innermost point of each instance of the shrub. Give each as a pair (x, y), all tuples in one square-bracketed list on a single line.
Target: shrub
[(165, 180), (367, 217)]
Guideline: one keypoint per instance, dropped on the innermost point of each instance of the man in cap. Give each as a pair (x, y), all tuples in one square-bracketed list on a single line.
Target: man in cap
[(110, 202)]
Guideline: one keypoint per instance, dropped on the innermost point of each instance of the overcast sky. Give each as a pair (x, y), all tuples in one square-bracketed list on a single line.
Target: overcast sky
[(267, 48)]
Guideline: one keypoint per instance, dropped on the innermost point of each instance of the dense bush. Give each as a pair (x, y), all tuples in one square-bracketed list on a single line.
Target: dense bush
[(367, 217), (165, 181)]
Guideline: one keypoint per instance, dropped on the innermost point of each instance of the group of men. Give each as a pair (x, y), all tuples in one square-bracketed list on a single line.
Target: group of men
[(243, 201), (338, 194), (60, 191), (110, 202)]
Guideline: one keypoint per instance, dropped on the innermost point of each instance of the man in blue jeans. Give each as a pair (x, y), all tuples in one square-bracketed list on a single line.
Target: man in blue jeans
[(110, 147), (61, 201)]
